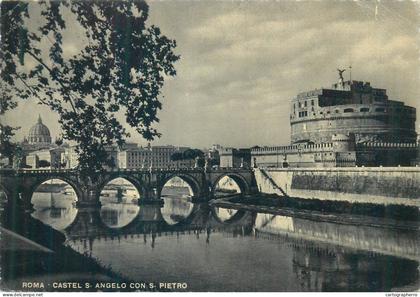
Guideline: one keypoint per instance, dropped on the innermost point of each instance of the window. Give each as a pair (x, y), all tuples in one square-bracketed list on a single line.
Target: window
[(312, 102), (380, 109), (348, 110), (305, 103), (337, 111), (364, 109)]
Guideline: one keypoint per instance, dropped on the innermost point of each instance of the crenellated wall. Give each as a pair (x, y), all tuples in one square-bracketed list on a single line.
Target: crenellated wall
[(378, 185)]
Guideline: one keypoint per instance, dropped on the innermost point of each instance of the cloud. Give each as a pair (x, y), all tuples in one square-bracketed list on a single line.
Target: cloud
[(242, 62)]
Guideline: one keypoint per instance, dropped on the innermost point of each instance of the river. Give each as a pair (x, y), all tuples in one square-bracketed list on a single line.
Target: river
[(222, 249)]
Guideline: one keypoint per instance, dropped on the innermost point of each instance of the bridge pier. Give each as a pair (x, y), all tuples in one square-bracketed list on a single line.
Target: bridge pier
[(199, 199), (21, 200), (150, 197), (89, 198), (88, 204), (27, 203)]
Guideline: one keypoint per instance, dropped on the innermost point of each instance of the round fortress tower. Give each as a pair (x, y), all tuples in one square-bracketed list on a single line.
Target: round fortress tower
[(343, 143), (351, 108)]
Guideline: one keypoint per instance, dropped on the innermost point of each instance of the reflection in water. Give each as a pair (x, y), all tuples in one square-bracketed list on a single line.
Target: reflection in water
[(226, 186), (176, 195), (119, 190), (257, 252), (398, 242), (339, 257), (225, 214), (254, 252), (117, 215), (3, 199), (119, 203), (54, 204), (176, 210)]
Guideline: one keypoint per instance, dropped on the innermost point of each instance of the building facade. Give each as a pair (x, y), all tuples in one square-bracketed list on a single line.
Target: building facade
[(38, 148), (350, 124), (236, 158), (70, 157), (351, 107), (39, 134), (152, 157)]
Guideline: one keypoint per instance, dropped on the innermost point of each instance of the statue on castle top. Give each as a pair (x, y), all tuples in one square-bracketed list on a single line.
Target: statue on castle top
[(340, 74)]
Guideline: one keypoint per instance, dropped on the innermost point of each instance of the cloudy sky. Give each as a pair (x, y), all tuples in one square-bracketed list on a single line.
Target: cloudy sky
[(242, 62)]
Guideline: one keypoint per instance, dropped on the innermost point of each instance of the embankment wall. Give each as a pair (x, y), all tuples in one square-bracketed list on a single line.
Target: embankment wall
[(378, 185)]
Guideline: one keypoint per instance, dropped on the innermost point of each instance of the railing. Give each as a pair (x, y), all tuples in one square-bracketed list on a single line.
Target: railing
[(388, 144), (294, 148), (121, 170)]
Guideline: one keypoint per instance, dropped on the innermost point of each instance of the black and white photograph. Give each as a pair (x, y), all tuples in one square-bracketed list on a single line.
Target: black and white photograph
[(209, 146)]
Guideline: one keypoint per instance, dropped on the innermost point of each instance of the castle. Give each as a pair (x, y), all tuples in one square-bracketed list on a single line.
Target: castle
[(349, 124)]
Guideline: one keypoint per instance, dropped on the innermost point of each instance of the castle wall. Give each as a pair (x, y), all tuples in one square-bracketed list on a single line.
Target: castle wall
[(378, 185), (352, 107), (366, 125)]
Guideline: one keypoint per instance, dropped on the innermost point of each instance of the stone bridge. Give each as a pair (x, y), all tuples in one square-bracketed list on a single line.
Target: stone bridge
[(21, 184)]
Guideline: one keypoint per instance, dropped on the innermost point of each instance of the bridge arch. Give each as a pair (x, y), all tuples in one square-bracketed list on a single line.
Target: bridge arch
[(241, 181), (29, 192), (189, 179), (226, 216), (141, 189)]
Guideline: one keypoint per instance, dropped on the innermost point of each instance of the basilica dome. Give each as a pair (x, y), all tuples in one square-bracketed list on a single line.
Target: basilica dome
[(39, 133)]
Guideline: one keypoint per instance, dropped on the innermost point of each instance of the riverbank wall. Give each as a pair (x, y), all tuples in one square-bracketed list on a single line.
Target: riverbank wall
[(375, 185)]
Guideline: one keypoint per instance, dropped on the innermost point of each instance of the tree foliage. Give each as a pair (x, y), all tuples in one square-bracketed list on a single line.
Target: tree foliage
[(7, 147), (118, 71), (43, 164), (188, 154)]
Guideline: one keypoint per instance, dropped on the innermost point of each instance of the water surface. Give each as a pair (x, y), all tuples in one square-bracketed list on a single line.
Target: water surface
[(221, 249)]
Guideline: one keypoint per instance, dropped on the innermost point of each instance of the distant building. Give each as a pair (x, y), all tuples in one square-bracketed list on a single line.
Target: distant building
[(70, 158), (152, 157), (213, 155), (38, 138), (351, 107), (39, 134), (416, 161), (338, 153), (38, 148), (349, 124), (46, 158), (236, 158)]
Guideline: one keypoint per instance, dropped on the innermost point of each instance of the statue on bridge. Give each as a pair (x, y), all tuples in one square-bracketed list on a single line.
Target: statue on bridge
[(18, 158)]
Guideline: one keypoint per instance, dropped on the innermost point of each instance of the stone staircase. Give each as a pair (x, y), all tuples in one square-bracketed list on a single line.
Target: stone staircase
[(270, 180)]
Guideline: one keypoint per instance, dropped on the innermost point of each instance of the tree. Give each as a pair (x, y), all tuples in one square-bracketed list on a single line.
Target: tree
[(118, 71), (43, 163), (59, 141), (188, 154), (7, 148), (192, 154)]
